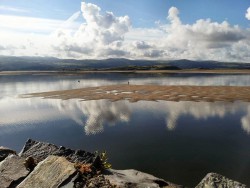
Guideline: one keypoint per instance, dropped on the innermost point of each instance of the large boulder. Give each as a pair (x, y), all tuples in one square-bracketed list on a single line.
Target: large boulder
[(5, 152), (213, 180), (53, 172), (41, 150), (136, 179), (12, 171)]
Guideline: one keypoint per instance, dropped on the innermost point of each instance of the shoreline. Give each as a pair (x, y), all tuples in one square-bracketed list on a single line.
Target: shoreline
[(184, 71)]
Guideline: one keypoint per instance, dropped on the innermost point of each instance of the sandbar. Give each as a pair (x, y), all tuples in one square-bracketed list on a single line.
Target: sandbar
[(134, 93)]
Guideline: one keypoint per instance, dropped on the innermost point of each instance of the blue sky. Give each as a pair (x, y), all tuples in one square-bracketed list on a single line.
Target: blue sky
[(143, 13), (148, 21)]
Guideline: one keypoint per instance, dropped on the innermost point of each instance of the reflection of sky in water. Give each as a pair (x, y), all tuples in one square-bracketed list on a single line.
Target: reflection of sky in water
[(179, 141), (92, 115), (13, 85)]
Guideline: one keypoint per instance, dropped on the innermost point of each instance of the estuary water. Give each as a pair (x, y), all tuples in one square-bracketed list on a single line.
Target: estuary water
[(178, 141)]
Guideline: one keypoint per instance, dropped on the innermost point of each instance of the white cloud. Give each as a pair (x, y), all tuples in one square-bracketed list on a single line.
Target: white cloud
[(248, 14), (202, 40), (144, 34), (103, 29), (173, 16), (101, 35)]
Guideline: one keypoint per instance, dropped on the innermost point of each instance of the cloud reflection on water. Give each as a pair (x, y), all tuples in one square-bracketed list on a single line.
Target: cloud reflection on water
[(93, 115), (245, 122), (102, 111), (98, 113)]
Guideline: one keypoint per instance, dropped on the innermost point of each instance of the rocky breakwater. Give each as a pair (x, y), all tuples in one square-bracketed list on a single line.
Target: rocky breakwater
[(44, 165)]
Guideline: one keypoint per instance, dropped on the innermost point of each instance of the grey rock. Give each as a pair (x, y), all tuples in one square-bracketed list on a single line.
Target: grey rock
[(5, 152), (12, 171), (50, 173), (136, 179), (40, 151), (213, 180)]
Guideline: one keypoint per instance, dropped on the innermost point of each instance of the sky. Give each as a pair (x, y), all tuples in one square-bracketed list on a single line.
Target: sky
[(141, 29)]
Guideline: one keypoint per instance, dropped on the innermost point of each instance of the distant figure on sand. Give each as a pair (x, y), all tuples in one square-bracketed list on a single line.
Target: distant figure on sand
[(79, 81), (128, 83)]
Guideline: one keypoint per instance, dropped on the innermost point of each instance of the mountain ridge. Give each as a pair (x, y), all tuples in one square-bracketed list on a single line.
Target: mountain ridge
[(28, 63)]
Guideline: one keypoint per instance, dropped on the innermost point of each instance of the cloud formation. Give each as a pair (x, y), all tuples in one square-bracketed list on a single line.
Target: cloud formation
[(202, 40), (104, 35), (100, 35), (248, 14)]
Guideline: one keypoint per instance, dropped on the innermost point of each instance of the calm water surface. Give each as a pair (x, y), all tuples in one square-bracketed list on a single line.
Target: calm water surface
[(178, 141)]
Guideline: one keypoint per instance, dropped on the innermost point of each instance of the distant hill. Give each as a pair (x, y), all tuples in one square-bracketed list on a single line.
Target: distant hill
[(11, 63)]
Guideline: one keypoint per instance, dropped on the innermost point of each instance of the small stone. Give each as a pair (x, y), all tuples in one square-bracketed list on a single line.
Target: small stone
[(50, 173), (12, 171)]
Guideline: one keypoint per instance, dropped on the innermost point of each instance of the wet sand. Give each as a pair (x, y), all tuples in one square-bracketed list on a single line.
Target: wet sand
[(134, 93)]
